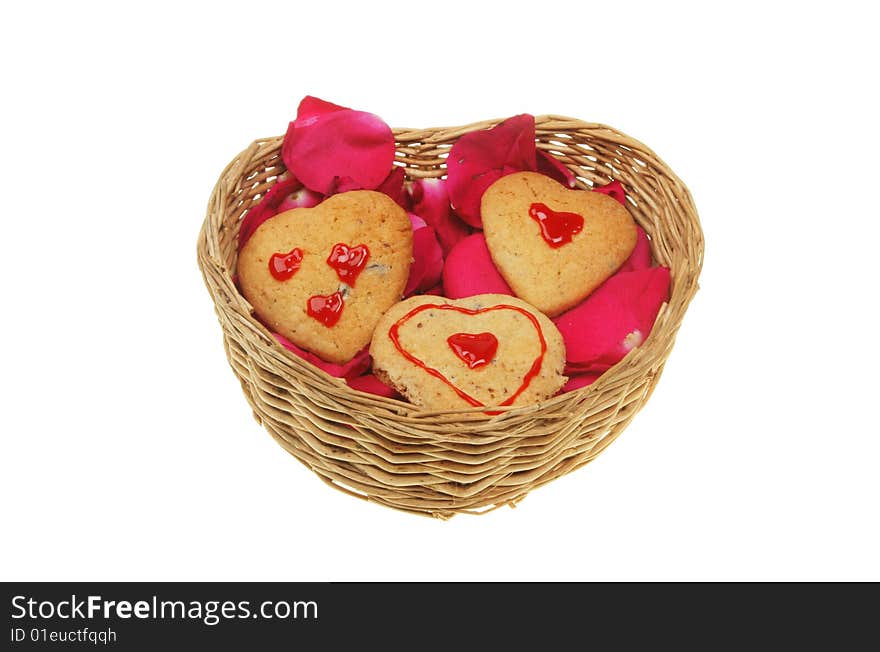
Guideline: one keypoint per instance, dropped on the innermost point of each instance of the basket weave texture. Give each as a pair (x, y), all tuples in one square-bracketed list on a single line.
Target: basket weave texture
[(444, 463)]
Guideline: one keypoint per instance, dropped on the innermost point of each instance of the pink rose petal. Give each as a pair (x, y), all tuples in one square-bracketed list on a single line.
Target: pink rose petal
[(427, 263), (268, 206), (431, 201), (469, 270), (394, 187), (342, 184), (312, 108), (329, 147), (479, 158), (640, 258), (372, 385), (579, 381), (553, 168), (614, 319), (302, 198), (354, 367), (577, 368), (437, 290), (417, 222), (614, 190)]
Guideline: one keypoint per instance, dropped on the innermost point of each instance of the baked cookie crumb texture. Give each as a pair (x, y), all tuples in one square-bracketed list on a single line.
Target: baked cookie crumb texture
[(553, 245), (323, 276), (487, 350)]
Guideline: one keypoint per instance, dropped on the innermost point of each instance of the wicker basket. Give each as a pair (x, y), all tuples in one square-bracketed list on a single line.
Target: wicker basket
[(445, 463)]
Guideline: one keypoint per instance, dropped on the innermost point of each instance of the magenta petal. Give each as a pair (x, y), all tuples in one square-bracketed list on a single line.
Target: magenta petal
[(394, 187), (372, 385), (614, 319), (431, 201), (342, 184), (576, 368), (553, 168), (437, 291), (640, 258), (469, 270), (302, 198), (311, 108), (268, 206), (581, 380), (614, 190), (417, 222), (427, 263), (329, 147), (354, 367), (479, 158)]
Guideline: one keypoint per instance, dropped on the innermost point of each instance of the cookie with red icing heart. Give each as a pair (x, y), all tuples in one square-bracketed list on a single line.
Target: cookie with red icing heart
[(553, 245), (486, 350), (323, 276)]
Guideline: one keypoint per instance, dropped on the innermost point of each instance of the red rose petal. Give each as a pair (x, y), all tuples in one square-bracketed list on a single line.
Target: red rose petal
[(394, 187), (354, 367), (329, 147), (553, 168), (427, 263), (614, 190), (417, 222), (372, 385), (576, 368), (268, 206), (311, 108), (342, 184), (469, 270), (302, 198), (430, 200), (479, 158), (579, 381), (437, 290), (616, 318), (640, 258)]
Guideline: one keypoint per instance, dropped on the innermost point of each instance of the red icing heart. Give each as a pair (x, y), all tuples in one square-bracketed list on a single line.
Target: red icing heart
[(475, 350), (283, 266), (326, 309), (348, 262), (534, 370), (556, 227)]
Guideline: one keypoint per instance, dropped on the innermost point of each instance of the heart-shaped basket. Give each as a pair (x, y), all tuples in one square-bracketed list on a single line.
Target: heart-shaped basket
[(444, 463)]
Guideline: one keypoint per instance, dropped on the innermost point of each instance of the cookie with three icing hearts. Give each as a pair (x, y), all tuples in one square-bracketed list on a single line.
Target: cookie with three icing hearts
[(553, 245), (323, 276), (486, 350)]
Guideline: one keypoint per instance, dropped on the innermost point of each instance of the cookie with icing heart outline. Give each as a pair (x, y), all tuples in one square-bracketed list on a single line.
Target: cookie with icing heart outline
[(554, 245), (322, 277), (486, 350)]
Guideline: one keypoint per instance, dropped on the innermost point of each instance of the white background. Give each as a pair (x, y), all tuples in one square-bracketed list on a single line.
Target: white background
[(128, 451)]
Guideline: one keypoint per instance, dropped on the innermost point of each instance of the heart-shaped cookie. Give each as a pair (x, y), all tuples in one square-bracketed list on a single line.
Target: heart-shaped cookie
[(553, 245), (486, 350), (323, 276)]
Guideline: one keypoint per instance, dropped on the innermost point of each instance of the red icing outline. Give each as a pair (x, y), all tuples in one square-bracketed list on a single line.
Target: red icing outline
[(534, 370)]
